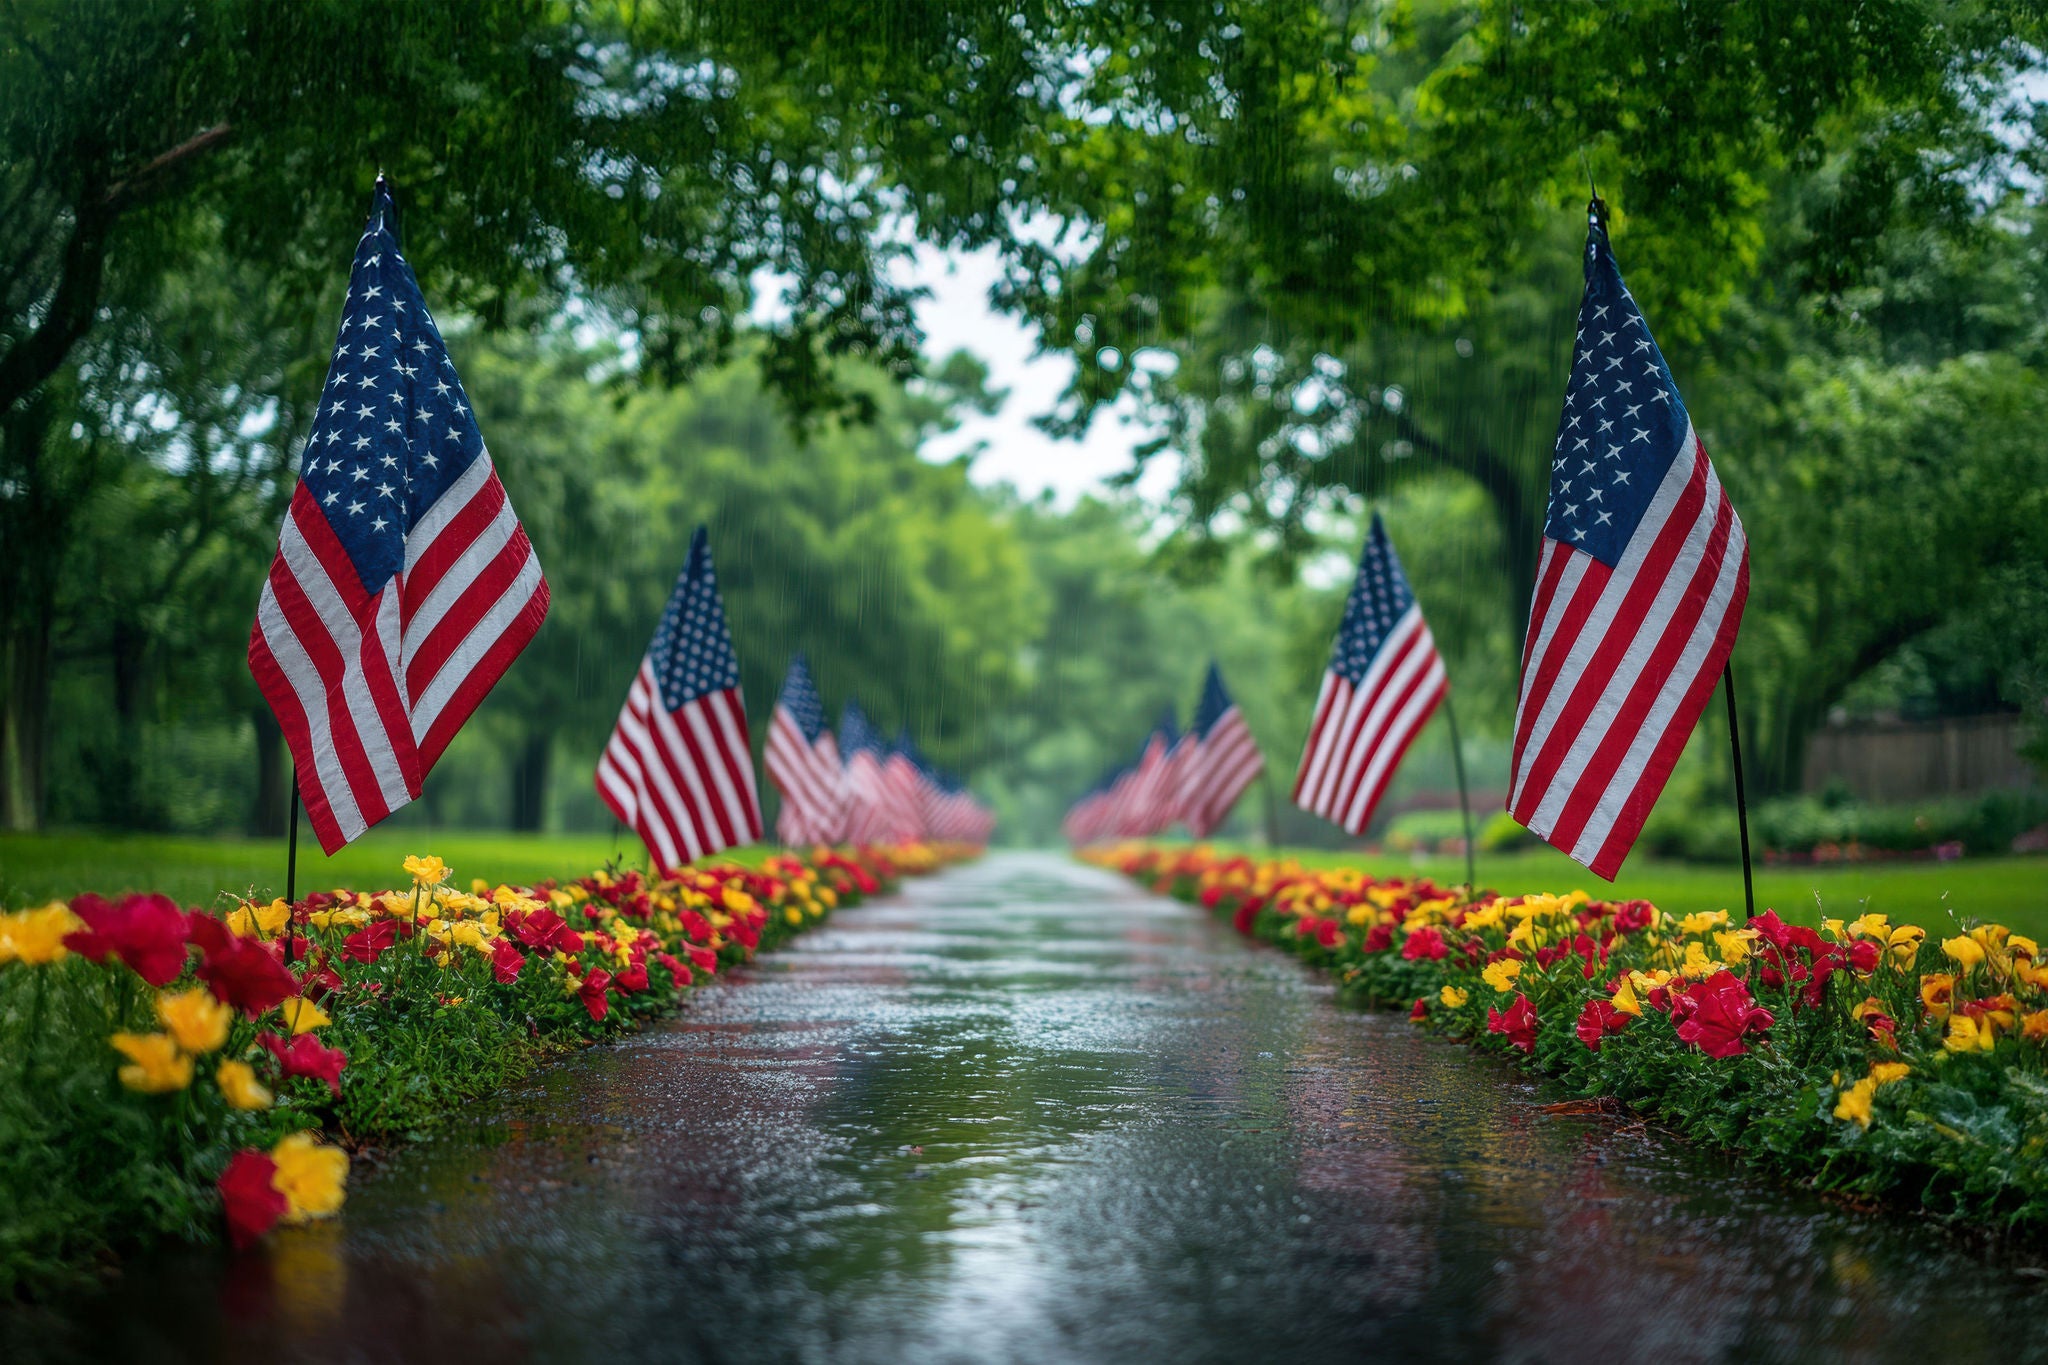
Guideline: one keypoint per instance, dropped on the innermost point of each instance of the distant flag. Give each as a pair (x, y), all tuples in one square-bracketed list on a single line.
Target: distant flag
[(904, 775), (1384, 679), (403, 586), (1087, 819), (875, 813), (803, 763), (1225, 759), (1639, 591), (1134, 800), (677, 769)]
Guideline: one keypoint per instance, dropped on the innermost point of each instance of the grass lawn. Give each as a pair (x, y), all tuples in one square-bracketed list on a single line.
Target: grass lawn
[(36, 867), (2011, 891)]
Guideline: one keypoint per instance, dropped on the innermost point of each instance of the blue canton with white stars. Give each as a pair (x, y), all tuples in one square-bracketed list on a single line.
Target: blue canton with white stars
[(800, 699), (692, 653), (1623, 422), (1380, 596), (1215, 702), (855, 733), (394, 428)]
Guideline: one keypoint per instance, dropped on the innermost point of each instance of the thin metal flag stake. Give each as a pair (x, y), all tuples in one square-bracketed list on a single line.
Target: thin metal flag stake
[(1741, 795), (291, 855), (1464, 796)]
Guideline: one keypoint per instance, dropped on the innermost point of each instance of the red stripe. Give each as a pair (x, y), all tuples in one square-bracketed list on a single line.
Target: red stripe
[(1628, 822), (1571, 621), (1621, 732), (383, 688), (1383, 739), (719, 813), (693, 832), (452, 541), (1398, 745), (1364, 741), (298, 736), (319, 537), (311, 633), (477, 683), (466, 611), (1627, 620), (1547, 576), (1315, 732), (739, 764)]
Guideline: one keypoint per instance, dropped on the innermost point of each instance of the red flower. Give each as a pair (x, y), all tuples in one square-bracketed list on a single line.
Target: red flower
[(241, 972), (1428, 942), (631, 980), (747, 930), (1864, 956), (1597, 1020), (1421, 1010), (252, 1204), (694, 924), (1714, 1015), (703, 959), (678, 970), (146, 932), (1378, 939), (1632, 915), (506, 961), (544, 931), (1517, 1023), (592, 993), (368, 944), (1330, 933), (306, 1056), (1247, 913), (319, 981)]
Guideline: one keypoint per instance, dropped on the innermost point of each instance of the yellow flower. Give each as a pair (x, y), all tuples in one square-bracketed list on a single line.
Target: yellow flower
[(238, 1083), (1937, 989), (1734, 944), (1501, 975), (311, 1176), (793, 915), (2034, 1026), (250, 920), (303, 1015), (1855, 1102), (36, 937), (1625, 1001), (1969, 1035), (1700, 921), (1884, 1073), (1485, 917), (1966, 951), (736, 900), (2022, 946), (1359, 915), (195, 1019), (1872, 925), (429, 871), (1697, 965), (1905, 941), (1453, 997), (157, 1067)]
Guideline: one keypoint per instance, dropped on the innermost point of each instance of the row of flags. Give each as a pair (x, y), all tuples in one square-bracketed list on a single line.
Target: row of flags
[(856, 787), (1191, 779), (404, 586), (1639, 594)]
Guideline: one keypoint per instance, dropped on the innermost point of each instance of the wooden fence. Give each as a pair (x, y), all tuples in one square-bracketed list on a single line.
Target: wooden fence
[(1916, 760)]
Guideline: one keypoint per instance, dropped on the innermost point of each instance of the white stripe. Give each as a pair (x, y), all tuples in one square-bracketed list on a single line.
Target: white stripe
[(1628, 671), (658, 788), (466, 568), (488, 630), (611, 776), (1331, 704), (1393, 741), (705, 723), (663, 723), (1580, 649), (730, 712), (1684, 673), (1363, 746), (325, 597), (446, 508), (311, 690)]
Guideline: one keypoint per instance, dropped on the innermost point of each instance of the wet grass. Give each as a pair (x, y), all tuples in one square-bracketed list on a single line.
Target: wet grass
[(2011, 891), (36, 867)]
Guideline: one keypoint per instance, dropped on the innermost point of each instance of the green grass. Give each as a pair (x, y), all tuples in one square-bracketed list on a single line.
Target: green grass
[(37, 867), (2011, 891)]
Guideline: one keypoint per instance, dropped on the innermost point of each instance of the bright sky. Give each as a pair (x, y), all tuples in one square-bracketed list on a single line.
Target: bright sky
[(957, 316)]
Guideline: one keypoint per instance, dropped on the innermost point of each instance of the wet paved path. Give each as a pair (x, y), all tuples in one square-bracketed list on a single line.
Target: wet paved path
[(1027, 1112)]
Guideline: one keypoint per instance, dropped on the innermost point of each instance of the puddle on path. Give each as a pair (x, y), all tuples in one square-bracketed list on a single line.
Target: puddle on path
[(1026, 1112)]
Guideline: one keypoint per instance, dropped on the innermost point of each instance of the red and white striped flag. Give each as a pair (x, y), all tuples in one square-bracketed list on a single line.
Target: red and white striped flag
[(1639, 592), (677, 769), (1225, 760), (403, 586), (1384, 679), (803, 763)]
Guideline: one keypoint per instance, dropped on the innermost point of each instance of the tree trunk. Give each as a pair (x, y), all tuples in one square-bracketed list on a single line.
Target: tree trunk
[(530, 781), (273, 784)]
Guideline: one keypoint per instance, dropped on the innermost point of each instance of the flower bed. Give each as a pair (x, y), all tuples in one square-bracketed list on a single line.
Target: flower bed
[(1862, 1057), (167, 1072)]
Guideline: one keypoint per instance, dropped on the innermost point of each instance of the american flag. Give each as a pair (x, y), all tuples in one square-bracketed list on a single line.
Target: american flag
[(1225, 759), (875, 810), (1639, 591), (803, 763), (677, 768), (1087, 819), (903, 773), (1384, 679), (1135, 807), (403, 586)]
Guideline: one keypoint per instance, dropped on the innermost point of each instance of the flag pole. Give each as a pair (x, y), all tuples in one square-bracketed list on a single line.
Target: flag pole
[(1741, 796), (291, 857), (1272, 810), (1464, 796)]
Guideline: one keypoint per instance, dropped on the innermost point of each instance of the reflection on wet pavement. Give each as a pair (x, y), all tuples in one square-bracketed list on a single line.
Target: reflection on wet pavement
[(1027, 1112)]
